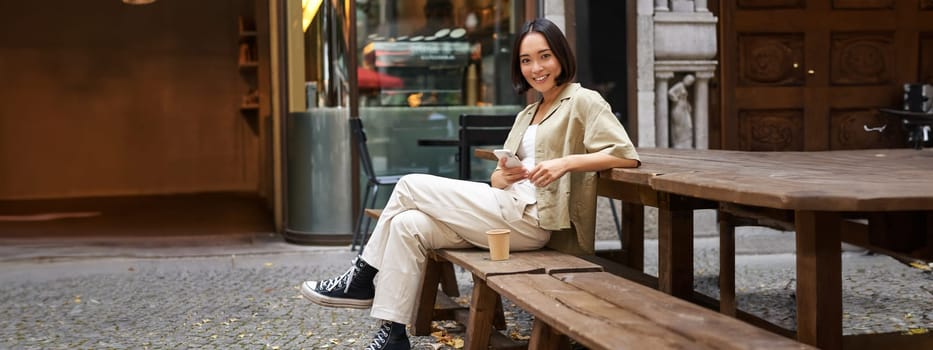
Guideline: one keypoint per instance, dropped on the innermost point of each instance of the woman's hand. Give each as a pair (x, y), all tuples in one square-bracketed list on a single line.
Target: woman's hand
[(548, 171), (505, 176)]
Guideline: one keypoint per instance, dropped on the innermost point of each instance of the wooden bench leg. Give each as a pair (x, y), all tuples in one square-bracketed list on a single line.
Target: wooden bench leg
[(544, 337), (425, 312), (449, 279), (498, 319), (482, 312), (442, 272)]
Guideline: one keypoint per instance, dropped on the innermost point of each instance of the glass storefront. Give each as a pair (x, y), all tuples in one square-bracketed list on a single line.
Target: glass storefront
[(424, 62), (435, 52), (420, 64)]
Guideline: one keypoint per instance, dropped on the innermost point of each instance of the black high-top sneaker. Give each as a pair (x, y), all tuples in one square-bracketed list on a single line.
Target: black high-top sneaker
[(390, 336), (354, 289)]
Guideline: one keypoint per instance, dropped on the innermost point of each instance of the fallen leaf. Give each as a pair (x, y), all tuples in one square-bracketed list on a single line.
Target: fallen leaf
[(518, 336)]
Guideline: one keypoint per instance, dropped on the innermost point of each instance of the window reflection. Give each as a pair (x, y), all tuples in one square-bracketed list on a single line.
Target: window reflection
[(435, 52)]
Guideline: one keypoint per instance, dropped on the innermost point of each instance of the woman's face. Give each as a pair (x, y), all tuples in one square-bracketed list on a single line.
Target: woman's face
[(539, 65)]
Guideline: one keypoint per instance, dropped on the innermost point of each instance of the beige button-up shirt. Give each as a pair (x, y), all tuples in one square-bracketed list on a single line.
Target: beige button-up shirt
[(579, 122)]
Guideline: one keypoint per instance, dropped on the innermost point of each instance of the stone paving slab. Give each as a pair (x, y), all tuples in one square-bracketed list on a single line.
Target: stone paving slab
[(241, 291), (246, 296), (246, 302)]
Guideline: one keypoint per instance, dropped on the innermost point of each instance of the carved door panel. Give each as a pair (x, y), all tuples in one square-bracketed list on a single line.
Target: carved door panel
[(811, 74)]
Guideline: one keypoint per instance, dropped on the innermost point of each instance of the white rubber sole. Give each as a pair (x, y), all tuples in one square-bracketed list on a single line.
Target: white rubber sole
[(307, 291)]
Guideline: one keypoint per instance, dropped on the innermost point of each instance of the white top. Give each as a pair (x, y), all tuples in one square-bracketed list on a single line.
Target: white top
[(524, 189)]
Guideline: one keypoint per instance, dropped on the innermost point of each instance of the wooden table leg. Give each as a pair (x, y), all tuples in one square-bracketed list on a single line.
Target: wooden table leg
[(819, 279), (726, 263), (929, 226), (675, 246), (633, 235)]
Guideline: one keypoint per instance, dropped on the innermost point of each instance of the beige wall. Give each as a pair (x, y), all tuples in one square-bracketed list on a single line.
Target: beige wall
[(102, 98)]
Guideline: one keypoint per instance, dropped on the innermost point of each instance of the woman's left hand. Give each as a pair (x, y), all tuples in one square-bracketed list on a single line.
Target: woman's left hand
[(548, 171)]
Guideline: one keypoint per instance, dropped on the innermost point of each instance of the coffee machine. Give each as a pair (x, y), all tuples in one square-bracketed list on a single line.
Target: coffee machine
[(431, 69)]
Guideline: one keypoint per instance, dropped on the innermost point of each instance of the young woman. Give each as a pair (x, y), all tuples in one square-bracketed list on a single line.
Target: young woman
[(562, 140)]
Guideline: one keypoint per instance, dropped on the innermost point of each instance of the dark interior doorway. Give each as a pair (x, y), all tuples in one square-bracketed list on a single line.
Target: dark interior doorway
[(602, 50)]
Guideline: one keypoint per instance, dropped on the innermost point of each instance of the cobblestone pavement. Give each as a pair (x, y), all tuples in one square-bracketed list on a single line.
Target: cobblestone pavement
[(245, 296), (218, 303)]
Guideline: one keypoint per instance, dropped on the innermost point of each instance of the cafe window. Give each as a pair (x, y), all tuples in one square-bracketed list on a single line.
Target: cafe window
[(419, 64), (423, 63), (436, 52)]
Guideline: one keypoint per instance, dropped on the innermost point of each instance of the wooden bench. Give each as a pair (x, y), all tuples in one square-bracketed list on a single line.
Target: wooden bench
[(485, 310), (373, 213), (604, 311)]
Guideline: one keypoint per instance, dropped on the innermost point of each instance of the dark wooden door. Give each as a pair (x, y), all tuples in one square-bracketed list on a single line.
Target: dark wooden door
[(811, 75)]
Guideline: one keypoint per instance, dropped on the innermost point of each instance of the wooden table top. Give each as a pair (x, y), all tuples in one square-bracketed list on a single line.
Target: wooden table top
[(856, 180)]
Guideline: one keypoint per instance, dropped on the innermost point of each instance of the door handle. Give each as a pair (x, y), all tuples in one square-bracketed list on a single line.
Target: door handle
[(879, 129)]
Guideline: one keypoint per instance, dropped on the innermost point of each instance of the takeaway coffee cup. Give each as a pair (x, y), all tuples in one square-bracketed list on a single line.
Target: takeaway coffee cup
[(498, 243)]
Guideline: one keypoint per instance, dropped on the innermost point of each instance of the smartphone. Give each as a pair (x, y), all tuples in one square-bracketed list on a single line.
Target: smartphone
[(511, 160)]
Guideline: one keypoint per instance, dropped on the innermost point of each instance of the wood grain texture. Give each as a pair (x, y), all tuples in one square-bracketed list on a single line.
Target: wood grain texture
[(854, 180), (604, 311), (537, 261)]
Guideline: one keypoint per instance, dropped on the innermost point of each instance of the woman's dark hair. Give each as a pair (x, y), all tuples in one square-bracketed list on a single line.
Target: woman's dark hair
[(559, 46)]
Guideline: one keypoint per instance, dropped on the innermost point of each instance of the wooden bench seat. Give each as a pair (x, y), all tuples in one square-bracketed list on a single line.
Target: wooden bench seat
[(604, 311), (485, 309), (373, 213)]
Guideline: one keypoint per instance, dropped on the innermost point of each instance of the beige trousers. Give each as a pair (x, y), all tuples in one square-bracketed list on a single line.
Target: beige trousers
[(428, 212)]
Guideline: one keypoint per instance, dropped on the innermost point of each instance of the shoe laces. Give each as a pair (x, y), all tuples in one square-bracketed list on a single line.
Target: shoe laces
[(342, 281), (382, 336)]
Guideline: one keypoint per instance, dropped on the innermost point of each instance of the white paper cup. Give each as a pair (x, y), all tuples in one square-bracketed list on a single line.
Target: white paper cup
[(498, 243)]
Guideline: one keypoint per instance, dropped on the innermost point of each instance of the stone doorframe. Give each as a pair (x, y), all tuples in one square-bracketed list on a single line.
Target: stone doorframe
[(674, 38)]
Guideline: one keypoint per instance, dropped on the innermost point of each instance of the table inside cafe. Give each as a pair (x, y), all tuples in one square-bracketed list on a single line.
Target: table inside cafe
[(857, 196), (393, 134)]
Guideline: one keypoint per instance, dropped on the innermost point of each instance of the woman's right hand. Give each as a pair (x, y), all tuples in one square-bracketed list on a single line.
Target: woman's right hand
[(505, 176)]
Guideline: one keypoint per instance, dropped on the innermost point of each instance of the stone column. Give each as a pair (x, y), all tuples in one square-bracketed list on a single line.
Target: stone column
[(661, 113), (661, 5), (701, 110), (644, 38), (700, 6)]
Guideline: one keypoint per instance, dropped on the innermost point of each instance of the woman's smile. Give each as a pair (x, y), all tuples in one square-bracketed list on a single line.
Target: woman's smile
[(539, 65)]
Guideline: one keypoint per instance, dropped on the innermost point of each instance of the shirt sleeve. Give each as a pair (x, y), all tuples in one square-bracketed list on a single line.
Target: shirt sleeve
[(603, 132)]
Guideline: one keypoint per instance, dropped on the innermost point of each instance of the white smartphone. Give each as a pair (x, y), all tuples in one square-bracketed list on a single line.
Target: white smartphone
[(511, 160)]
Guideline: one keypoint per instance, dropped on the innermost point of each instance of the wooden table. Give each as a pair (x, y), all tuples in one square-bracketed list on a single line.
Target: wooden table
[(821, 191)]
